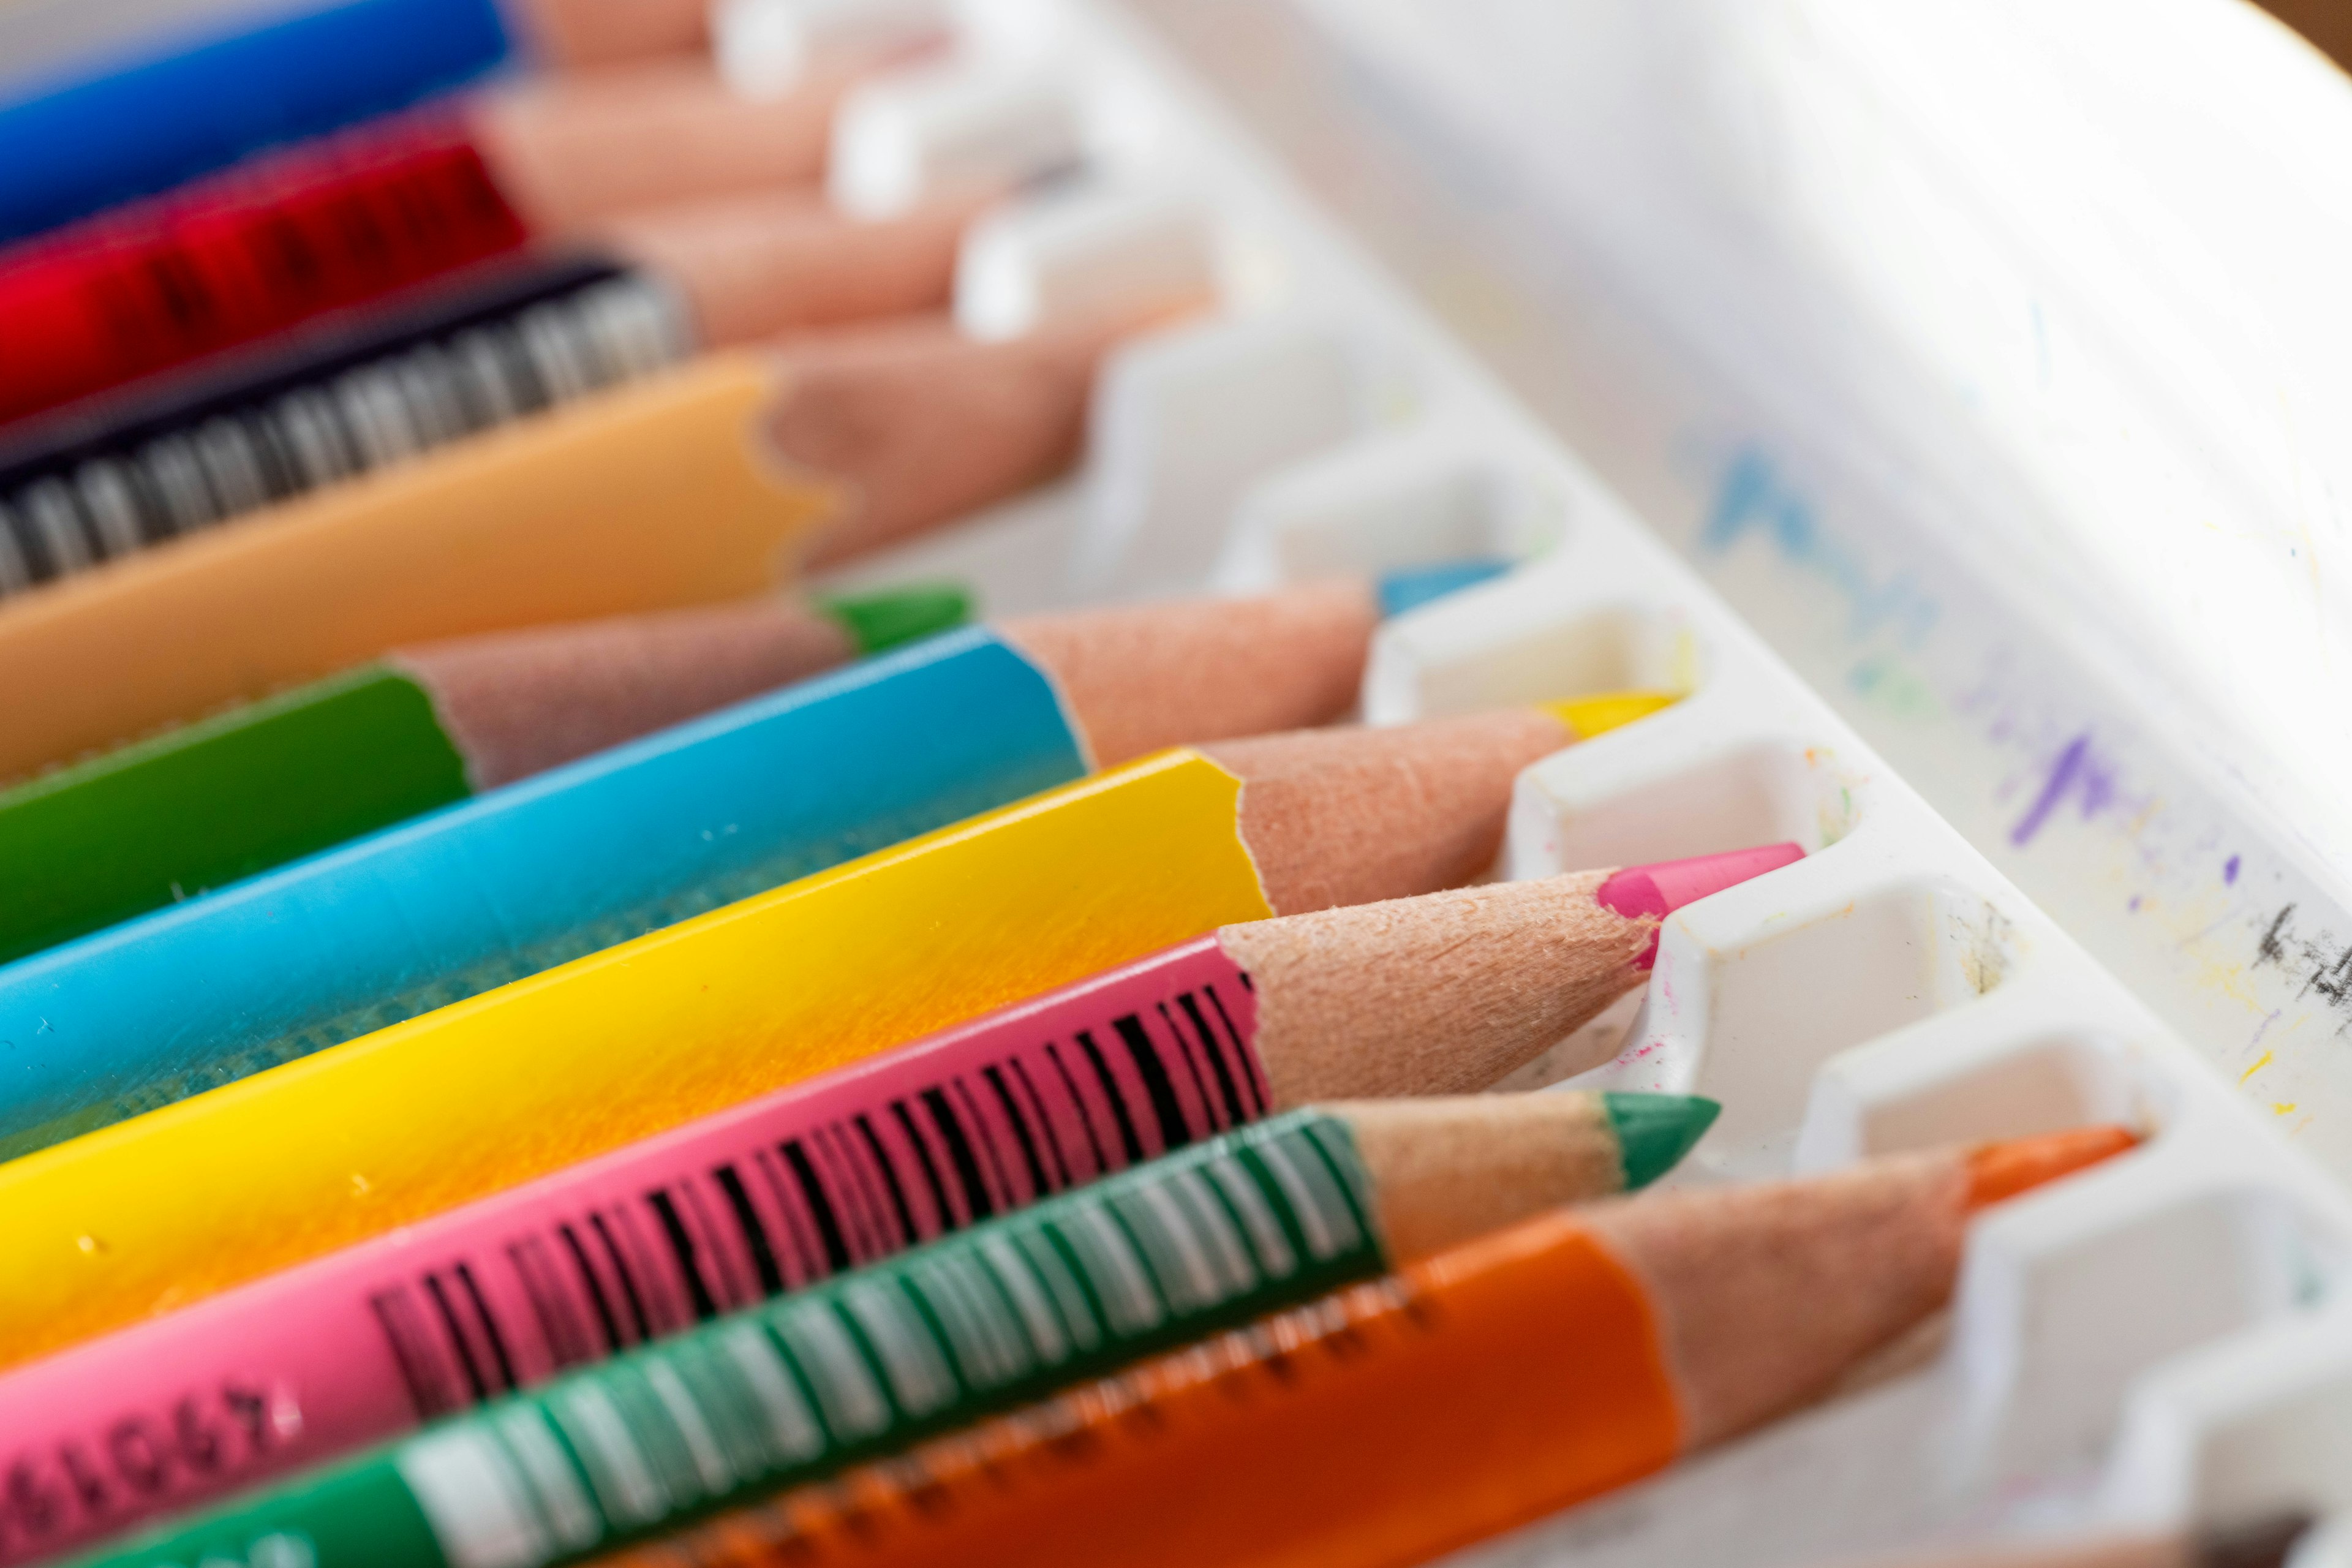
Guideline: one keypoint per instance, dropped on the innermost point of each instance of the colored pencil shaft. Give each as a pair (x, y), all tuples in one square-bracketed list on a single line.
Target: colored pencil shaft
[(218, 988), (406, 1123), (876, 434), (316, 228), (141, 120), (1018, 1304), (986, 1118), (419, 1117), (202, 806), (495, 344), (452, 360), (402, 203), (137, 119), (1392, 1421), (2264, 1542)]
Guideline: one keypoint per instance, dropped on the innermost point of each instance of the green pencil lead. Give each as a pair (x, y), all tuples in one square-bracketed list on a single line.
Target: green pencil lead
[(1655, 1131), (884, 620)]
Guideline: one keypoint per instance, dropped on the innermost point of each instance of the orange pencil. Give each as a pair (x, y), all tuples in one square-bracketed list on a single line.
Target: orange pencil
[(1475, 1391)]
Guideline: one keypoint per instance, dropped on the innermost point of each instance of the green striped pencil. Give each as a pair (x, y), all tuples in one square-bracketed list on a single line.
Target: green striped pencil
[(861, 1365)]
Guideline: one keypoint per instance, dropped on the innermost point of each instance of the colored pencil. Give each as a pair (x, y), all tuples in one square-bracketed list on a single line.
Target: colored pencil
[(200, 807), (1390, 1423), (328, 402), (645, 168), (381, 1130), (878, 431), (2261, 1543), (196, 808), (1018, 1305), (217, 987), (141, 120), (467, 355), (983, 1119)]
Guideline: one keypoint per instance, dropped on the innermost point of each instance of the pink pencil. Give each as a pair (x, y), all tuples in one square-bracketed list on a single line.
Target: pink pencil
[(821, 1176)]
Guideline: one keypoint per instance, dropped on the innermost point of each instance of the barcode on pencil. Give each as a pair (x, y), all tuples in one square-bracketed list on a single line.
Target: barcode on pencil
[(364, 418), (832, 1191), (868, 1362)]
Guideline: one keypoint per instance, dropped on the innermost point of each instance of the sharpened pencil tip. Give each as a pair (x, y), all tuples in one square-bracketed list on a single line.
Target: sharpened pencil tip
[(884, 620), (1655, 1131), (1660, 888), (1603, 711), (1999, 1171), (1410, 587)]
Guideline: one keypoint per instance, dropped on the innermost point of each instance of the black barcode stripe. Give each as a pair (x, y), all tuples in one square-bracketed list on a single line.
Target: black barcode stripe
[(1157, 1087), (1086, 1114), (1215, 1048), (852, 1203), (626, 1280), (748, 1224), (978, 1204), (1045, 1123), (1249, 1058), (682, 1249), (722, 1256), (550, 1303), (596, 1297), (665, 1309), (1191, 1055), (412, 1350), (1131, 1144), (698, 1247), (1006, 1196), (439, 1295), (914, 1136), (488, 1319), (889, 1169), (774, 1178), (828, 1225), (872, 1172), (1038, 1184)]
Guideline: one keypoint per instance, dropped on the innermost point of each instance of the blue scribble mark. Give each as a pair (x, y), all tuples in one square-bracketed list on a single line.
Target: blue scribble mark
[(2230, 872), (1753, 498), (2077, 769)]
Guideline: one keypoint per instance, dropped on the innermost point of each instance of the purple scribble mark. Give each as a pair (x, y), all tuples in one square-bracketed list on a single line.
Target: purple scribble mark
[(2075, 766), (2230, 872), (2134, 905)]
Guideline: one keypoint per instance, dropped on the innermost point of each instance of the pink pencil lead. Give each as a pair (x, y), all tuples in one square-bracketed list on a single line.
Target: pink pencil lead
[(1657, 890)]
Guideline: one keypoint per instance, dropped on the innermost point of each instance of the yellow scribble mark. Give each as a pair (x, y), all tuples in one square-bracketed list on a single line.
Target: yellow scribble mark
[(2260, 1063), (2283, 1108)]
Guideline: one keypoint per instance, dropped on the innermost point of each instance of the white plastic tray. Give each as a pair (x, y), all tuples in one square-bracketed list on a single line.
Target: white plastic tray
[(2155, 1342)]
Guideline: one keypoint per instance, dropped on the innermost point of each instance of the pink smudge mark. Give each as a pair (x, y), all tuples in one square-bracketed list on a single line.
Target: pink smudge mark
[(1655, 892), (2075, 770)]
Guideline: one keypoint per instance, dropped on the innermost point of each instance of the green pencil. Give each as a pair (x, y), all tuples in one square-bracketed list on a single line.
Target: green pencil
[(269, 782)]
